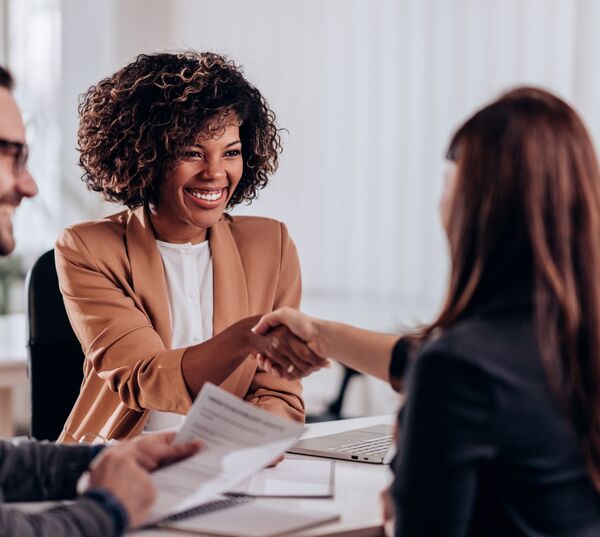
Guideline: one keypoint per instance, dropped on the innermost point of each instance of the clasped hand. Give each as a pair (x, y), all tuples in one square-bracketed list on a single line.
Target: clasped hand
[(290, 346)]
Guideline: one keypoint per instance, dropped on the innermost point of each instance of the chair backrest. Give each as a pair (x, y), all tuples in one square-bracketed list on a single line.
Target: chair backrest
[(54, 353)]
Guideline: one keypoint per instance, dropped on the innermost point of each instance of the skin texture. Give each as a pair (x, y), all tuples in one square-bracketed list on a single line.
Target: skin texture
[(124, 470), (344, 343), (213, 164), (14, 184), (234, 344)]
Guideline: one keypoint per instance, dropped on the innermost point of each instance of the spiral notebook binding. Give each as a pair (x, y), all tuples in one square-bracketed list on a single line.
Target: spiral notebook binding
[(209, 507)]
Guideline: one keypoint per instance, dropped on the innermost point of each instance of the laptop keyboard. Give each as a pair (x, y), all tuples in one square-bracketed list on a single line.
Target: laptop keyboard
[(376, 446)]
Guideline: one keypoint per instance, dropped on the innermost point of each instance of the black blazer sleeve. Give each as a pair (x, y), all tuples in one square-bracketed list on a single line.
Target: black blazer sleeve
[(445, 436), (399, 363)]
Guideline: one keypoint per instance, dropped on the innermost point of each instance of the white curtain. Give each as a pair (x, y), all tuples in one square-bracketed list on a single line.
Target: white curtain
[(369, 90), (32, 39)]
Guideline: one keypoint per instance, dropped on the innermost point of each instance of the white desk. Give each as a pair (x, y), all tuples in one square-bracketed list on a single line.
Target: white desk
[(13, 367), (356, 499)]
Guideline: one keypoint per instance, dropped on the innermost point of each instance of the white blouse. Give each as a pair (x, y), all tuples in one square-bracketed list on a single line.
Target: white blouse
[(189, 273)]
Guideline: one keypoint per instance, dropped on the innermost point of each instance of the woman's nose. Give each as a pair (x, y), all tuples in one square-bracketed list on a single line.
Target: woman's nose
[(214, 169)]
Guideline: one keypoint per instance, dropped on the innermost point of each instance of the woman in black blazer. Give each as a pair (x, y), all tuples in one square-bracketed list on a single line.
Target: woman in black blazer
[(500, 434)]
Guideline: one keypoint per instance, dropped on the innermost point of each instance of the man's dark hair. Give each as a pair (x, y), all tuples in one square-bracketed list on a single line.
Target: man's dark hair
[(6, 79)]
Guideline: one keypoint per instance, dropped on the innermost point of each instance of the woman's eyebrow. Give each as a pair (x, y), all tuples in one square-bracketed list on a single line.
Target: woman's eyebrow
[(228, 145)]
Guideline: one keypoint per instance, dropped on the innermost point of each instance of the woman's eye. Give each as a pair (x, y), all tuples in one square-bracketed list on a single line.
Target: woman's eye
[(233, 153), (192, 154)]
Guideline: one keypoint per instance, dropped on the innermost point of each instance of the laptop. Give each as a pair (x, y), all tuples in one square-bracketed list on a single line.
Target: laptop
[(369, 444)]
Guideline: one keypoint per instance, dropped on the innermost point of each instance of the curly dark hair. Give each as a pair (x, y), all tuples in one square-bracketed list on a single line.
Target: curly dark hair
[(135, 125)]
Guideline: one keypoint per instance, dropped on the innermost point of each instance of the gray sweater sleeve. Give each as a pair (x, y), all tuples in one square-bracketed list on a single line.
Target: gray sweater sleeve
[(31, 471), (82, 518)]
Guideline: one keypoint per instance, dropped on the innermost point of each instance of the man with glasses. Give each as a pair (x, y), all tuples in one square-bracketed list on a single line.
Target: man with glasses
[(119, 492), (16, 182)]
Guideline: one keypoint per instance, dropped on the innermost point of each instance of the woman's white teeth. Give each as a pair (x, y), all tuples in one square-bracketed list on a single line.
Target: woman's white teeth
[(207, 196)]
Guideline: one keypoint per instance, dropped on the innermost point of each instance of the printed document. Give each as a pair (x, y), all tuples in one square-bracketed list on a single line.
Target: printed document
[(237, 438)]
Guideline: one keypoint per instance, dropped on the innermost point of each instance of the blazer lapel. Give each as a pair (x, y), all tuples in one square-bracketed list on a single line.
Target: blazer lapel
[(230, 294), (147, 272)]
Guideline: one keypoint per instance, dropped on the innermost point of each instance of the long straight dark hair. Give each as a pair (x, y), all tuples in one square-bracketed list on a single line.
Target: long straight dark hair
[(525, 206)]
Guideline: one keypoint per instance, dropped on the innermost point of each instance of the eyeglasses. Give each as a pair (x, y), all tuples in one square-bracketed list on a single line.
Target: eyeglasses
[(19, 152)]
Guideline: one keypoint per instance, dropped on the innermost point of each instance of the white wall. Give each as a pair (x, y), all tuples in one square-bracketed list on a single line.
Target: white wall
[(3, 33), (369, 90)]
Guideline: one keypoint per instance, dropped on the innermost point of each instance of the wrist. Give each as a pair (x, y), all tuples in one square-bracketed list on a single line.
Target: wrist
[(246, 339), (324, 337), (112, 505)]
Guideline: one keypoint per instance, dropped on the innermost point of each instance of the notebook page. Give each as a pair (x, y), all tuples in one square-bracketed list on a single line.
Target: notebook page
[(292, 478)]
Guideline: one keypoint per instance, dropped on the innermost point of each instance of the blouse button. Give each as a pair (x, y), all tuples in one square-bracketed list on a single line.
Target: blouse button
[(192, 295), (196, 338), (188, 252)]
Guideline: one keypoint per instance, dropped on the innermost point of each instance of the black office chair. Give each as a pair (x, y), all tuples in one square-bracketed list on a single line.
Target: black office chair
[(334, 409), (55, 357)]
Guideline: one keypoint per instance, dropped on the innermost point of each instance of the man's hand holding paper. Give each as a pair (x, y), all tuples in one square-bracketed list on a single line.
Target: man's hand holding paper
[(237, 439)]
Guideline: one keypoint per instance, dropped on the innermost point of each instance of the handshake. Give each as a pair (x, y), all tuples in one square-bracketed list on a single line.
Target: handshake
[(288, 344)]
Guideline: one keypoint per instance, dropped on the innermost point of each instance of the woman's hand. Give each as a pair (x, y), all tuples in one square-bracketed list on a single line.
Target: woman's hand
[(282, 353), (292, 356), (303, 328), (363, 350)]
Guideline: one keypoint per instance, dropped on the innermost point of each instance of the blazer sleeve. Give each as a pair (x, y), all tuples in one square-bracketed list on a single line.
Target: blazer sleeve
[(399, 363), (446, 438), (280, 396), (116, 334)]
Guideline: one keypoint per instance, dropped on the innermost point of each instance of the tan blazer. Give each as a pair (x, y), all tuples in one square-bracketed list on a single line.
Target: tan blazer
[(113, 283)]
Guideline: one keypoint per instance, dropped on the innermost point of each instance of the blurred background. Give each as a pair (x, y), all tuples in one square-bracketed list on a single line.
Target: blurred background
[(369, 92)]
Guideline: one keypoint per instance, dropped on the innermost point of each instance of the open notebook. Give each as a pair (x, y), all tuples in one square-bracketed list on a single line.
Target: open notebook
[(291, 478), (238, 440), (246, 517)]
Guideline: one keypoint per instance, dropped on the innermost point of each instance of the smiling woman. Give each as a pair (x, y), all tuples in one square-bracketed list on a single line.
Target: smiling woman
[(163, 295), (195, 193)]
